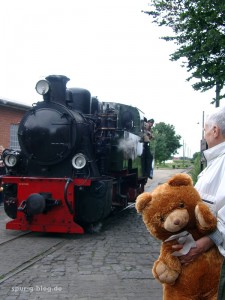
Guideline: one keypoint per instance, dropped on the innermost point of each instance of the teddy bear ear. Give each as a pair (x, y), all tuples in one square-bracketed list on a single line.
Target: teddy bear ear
[(142, 201), (180, 179)]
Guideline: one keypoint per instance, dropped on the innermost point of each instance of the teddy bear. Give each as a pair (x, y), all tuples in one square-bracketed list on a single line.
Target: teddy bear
[(174, 213)]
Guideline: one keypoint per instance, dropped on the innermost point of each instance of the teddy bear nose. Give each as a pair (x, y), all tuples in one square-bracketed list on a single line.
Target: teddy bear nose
[(177, 222)]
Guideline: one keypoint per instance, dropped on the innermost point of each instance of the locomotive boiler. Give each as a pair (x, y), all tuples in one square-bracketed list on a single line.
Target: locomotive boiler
[(79, 159)]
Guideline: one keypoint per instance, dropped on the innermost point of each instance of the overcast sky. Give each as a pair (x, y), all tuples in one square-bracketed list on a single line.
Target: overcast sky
[(110, 48)]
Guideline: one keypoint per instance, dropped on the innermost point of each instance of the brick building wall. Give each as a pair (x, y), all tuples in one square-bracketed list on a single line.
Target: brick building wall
[(10, 114)]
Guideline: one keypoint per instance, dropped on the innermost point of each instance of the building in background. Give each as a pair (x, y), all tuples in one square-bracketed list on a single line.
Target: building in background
[(10, 116)]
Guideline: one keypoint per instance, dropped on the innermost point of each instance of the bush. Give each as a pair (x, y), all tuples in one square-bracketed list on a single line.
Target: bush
[(196, 168)]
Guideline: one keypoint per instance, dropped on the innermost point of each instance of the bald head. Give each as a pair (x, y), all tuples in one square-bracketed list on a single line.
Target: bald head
[(215, 127)]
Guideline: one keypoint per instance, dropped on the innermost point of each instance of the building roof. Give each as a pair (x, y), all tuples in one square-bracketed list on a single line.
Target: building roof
[(14, 104)]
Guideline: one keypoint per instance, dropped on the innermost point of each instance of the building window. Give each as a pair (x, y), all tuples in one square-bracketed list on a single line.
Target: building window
[(14, 143)]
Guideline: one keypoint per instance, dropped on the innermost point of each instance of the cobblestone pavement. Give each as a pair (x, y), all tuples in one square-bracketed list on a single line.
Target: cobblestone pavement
[(114, 263)]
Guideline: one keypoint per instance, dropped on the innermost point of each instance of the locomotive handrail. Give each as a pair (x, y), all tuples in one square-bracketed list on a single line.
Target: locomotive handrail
[(69, 180)]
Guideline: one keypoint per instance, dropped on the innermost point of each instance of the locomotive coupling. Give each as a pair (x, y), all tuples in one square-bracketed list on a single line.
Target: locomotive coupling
[(38, 204)]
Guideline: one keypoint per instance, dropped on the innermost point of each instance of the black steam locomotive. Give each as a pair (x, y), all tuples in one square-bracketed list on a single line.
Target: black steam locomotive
[(79, 158)]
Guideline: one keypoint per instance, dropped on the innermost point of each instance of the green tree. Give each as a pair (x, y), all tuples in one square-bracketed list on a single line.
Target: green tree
[(165, 143), (195, 155), (199, 33), (197, 167)]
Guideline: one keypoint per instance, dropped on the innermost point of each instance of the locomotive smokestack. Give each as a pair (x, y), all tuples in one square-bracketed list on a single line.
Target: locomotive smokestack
[(57, 88)]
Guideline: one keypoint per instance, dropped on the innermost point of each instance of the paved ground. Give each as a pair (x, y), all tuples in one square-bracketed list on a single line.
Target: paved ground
[(114, 263), (161, 176)]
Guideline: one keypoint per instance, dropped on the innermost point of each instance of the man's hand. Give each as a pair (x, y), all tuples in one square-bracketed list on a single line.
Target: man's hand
[(202, 245)]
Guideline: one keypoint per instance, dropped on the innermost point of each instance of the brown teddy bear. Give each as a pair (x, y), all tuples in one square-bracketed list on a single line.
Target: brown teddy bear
[(174, 213)]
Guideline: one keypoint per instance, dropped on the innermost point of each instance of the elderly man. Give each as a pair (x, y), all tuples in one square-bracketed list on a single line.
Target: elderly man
[(211, 187)]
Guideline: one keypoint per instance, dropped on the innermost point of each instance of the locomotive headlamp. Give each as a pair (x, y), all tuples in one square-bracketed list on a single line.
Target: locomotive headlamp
[(42, 87), (79, 161), (11, 158)]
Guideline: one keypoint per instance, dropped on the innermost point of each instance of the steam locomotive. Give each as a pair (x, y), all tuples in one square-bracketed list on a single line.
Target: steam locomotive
[(79, 159)]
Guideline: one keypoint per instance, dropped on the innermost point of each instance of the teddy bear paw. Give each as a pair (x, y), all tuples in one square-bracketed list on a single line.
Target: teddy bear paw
[(164, 274)]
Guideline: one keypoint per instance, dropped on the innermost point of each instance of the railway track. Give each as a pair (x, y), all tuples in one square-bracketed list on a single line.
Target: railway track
[(22, 263), (19, 250)]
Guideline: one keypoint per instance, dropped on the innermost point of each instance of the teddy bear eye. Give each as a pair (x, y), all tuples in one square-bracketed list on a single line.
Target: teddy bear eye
[(162, 219), (181, 205)]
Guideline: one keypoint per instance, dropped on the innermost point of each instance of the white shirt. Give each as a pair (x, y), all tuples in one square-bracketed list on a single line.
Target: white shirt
[(211, 186)]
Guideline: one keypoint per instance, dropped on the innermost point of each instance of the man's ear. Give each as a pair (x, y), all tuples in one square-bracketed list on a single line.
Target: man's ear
[(216, 131)]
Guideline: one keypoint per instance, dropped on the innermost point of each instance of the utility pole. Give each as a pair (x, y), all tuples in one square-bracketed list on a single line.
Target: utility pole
[(183, 152), (203, 143)]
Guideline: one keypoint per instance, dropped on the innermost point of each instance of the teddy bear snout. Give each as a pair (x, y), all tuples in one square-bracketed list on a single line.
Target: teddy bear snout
[(176, 220)]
